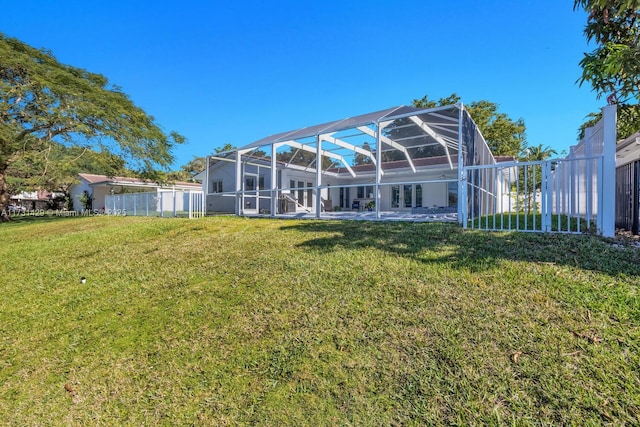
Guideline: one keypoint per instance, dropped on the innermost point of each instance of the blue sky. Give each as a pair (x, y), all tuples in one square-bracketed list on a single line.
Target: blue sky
[(233, 72)]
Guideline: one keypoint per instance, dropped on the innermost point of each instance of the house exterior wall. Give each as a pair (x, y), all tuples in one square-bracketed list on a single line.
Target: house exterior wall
[(304, 197), (222, 187), (222, 174), (99, 194), (433, 193), (76, 191)]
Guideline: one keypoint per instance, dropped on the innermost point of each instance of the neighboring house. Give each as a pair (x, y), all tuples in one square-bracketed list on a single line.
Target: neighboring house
[(414, 172), (97, 187), (628, 183), (32, 200)]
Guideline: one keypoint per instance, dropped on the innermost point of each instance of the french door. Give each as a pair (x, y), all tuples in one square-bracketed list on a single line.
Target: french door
[(406, 196)]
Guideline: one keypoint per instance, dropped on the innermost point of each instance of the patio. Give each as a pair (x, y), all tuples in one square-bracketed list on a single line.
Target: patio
[(402, 163), (371, 216)]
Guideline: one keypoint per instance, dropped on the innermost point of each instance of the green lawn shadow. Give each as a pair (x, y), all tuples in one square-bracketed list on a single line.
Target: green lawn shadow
[(477, 250)]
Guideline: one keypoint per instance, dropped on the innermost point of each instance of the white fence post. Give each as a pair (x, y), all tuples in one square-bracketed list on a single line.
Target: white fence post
[(608, 213), (546, 194), (175, 209)]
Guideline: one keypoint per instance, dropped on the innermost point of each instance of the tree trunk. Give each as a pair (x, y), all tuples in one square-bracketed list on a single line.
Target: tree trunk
[(4, 195)]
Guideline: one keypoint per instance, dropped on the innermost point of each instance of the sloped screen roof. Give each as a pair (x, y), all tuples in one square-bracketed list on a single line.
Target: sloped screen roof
[(406, 133), (334, 126)]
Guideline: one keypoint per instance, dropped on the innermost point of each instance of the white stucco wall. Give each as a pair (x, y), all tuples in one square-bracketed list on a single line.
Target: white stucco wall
[(433, 193), (76, 191)]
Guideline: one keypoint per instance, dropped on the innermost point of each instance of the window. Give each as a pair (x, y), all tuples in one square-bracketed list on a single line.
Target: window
[(249, 183), (418, 195), (369, 191), (300, 193), (309, 194), (292, 185), (360, 193), (407, 195), (395, 196), (261, 182), (452, 188), (216, 186)]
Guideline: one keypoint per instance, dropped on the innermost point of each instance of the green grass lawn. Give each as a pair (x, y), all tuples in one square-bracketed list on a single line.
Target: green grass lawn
[(233, 321)]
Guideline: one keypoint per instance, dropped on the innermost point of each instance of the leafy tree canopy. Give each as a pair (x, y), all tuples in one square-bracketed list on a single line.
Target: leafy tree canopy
[(537, 152), (613, 67), (225, 147), (57, 169), (627, 124), (504, 136), (45, 104), (196, 165)]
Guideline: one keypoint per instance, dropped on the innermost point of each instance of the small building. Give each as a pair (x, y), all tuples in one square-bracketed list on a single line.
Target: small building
[(91, 190)]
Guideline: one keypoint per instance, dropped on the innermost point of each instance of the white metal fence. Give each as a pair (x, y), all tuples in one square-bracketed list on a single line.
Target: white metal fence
[(164, 203), (570, 195)]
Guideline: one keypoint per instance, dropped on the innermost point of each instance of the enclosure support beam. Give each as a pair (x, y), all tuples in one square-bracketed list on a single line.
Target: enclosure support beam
[(318, 175), (239, 179), (379, 168), (340, 143), (326, 153), (463, 208), (206, 186), (387, 141), (274, 182), (239, 197), (425, 127)]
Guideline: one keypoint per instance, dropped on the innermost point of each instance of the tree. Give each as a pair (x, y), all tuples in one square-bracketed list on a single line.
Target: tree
[(362, 159), (538, 152), (504, 136), (44, 103), (226, 147), (627, 123), (59, 169), (613, 67), (188, 170), (530, 176)]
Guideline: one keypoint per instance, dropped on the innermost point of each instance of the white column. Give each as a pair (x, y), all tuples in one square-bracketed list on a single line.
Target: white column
[(318, 175), (463, 208), (206, 186), (546, 194), (175, 208), (274, 182), (239, 208), (378, 167)]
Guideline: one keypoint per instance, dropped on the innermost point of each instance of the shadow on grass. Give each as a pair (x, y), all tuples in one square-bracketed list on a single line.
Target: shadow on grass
[(476, 250)]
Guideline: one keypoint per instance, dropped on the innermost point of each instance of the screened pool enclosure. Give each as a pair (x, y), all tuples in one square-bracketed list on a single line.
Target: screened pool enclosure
[(398, 163)]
